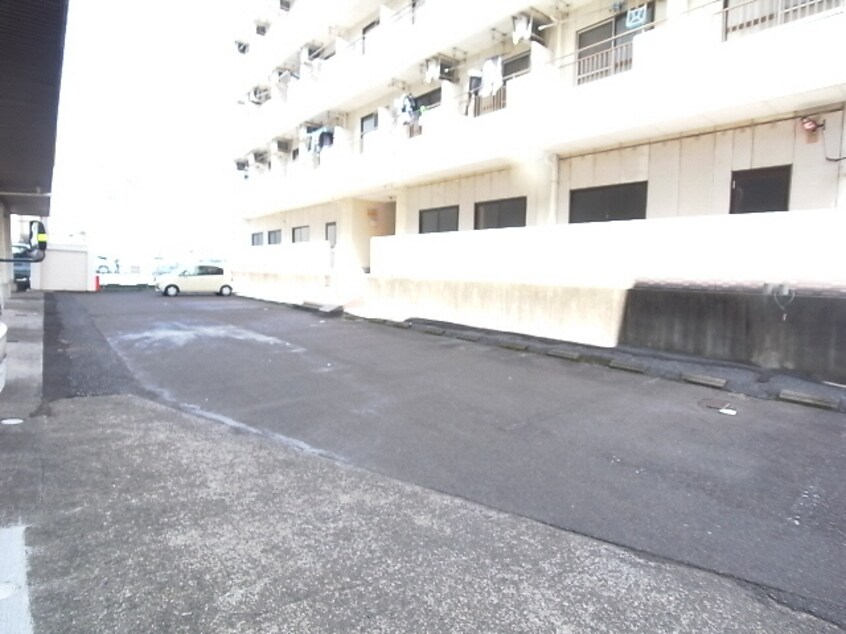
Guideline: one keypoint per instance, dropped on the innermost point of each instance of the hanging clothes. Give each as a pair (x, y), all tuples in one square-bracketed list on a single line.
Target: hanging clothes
[(409, 110), (491, 76)]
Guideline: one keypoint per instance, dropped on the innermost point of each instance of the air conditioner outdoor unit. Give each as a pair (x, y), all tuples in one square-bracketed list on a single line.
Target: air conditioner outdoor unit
[(528, 28), (285, 5), (260, 94), (261, 157), (243, 47), (262, 27), (440, 68), (281, 146), (241, 165)]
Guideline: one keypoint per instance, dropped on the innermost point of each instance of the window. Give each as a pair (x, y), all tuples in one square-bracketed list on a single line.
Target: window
[(299, 234), (429, 99), (365, 31), (369, 124), (606, 48), (439, 219), (257, 239), (751, 16), (517, 65), (612, 202), (498, 214), (766, 189), (332, 233), (274, 237), (209, 270)]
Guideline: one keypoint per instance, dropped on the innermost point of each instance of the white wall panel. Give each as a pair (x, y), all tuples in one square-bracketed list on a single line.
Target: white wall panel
[(742, 155), (772, 143), (814, 180), (663, 190), (723, 155), (696, 175), (582, 171), (608, 168)]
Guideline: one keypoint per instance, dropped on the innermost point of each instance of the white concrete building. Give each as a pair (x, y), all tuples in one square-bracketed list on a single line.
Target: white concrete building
[(527, 166)]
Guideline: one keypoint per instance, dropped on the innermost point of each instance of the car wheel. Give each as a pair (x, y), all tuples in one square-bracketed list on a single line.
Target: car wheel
[(171, 291), (226, 291)]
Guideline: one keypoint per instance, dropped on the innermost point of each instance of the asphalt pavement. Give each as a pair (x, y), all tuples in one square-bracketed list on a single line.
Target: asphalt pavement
[(138, 517)]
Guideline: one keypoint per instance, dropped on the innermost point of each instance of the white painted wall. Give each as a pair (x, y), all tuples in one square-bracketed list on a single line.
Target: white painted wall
[(65, 268), (801, 249), (692, 175)]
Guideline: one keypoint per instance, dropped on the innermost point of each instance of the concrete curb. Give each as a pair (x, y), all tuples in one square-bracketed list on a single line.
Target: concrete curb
[(736, 378)]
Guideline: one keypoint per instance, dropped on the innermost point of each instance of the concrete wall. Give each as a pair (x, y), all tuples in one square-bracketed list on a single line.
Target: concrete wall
[(710, 281), (793, 331)]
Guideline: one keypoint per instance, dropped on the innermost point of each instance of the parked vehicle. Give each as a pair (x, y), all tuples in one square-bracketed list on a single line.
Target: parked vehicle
[(201, 278), (21, 266)]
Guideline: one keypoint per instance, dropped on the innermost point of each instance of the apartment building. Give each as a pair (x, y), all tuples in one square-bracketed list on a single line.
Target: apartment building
[(666, 174)]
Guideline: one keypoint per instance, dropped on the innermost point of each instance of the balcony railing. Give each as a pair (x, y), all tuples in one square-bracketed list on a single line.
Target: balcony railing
[(484, 105), (615, 58), (758, 15)]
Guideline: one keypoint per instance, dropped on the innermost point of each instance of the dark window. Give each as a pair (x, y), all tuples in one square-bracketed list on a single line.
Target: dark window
[(209, 270), (369, 123), (439, 219), (429, 99), (517, 65), (299, 234), (332, 233), (367, 30), (498, 214), (766, 189), (612, 202), (274, 237), (257, 239)]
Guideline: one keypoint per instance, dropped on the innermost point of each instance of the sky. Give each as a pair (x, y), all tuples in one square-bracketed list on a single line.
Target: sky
[(144, 152)]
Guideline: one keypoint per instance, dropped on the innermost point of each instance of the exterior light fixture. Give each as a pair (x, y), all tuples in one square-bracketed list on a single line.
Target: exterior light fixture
[(811, 125)]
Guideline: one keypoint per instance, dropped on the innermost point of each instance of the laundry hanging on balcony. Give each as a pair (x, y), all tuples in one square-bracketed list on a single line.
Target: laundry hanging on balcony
[(491, 76), (320, 138), (408, 109)]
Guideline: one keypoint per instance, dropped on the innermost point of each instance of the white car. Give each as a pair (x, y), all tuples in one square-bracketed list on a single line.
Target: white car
[(202, 278)]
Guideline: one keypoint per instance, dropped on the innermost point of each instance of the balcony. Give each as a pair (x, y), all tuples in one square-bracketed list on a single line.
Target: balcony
[(615, 58), (393, 49), (491, 103), (742, 18), (562, 107)]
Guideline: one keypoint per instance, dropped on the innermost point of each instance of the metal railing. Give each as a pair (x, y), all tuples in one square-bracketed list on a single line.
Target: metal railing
[(616, 58), (758, 15), (484, 105)]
